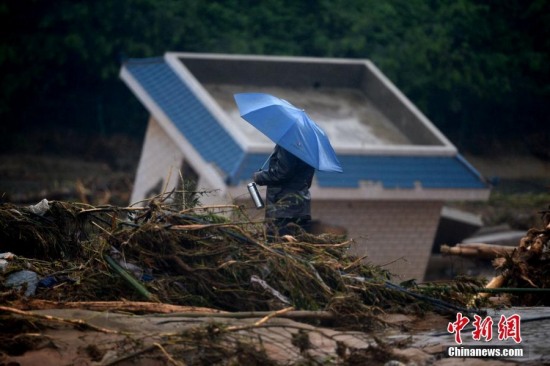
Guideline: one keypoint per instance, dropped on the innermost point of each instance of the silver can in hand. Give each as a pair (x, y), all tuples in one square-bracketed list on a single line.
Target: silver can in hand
[(255, 194)]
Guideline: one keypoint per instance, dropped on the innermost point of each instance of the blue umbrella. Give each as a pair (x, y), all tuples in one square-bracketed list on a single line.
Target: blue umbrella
[(289, 127)]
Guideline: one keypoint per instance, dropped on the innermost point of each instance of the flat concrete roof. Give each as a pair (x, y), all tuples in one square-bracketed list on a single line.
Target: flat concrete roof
[(351, 100), (346, 115)]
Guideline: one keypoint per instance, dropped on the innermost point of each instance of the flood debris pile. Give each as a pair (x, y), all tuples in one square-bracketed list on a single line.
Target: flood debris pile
[(193, 257), (211, 263), (522, 272)]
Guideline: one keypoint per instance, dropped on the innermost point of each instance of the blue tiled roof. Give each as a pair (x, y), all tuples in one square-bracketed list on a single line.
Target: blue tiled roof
[(402, 172), (393, 172), (187, 113), (215, 144)]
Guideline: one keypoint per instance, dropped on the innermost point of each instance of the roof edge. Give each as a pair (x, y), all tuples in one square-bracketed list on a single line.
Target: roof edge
[(205, 98), (248, 57), (410, 105)]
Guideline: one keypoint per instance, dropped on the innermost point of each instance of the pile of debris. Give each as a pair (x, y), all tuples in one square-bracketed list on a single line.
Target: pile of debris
[(199, 260), (191, 257), (523, 271)]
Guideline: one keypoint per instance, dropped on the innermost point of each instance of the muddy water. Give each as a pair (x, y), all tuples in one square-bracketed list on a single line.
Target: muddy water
[(534, 330)]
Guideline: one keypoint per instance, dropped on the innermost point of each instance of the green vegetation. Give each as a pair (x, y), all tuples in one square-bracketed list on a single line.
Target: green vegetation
[(478, 69)]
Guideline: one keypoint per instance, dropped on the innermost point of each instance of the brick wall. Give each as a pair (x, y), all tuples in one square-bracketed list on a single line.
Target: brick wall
[(398, 235)]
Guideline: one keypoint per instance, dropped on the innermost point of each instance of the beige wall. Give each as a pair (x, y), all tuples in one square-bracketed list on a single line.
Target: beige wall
[(398, 235), (160, 159)]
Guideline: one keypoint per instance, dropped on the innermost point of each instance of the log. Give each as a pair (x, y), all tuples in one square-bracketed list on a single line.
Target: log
[(479, 250), (496, 282), (164, 309), (127, 306)]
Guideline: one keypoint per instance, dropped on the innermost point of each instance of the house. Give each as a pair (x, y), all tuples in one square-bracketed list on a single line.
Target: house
[(399, 169)]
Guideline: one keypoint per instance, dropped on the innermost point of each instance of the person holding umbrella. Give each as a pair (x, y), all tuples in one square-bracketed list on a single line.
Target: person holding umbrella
[(301, 147), (288, 200)]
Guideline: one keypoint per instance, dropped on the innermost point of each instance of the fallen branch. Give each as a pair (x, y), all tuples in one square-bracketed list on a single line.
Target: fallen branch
[(170, 358), (287, 313), (259, 322), (126, 306), (77, 322), (192, 227), (479, 250), (496, 282)]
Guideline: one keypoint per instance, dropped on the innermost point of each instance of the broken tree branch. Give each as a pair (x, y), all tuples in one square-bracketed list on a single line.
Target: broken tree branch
[(479, 250)]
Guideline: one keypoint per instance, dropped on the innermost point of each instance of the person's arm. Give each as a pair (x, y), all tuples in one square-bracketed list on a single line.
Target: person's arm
[(279, 172)]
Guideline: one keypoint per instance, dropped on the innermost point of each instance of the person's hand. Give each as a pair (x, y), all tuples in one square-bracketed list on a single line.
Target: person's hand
[(255, 177)]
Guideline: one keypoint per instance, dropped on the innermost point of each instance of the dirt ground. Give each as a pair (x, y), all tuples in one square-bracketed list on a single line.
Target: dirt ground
[(156, 339)]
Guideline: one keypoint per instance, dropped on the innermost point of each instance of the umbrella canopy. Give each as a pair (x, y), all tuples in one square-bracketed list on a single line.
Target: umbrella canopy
[(289, 127)]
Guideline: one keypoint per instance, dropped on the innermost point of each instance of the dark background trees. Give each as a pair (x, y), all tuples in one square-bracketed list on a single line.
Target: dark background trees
[(479, 69)]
